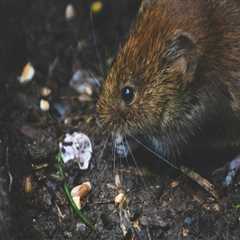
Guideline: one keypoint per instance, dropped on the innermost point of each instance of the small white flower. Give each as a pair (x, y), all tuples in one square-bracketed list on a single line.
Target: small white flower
[(77, 147)]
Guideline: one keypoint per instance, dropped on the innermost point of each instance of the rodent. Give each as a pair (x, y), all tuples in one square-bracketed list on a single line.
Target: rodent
[(177, 77)]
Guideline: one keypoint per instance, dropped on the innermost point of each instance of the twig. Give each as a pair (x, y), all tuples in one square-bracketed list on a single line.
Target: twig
[(8, 170), (60, 214), (203, 182)]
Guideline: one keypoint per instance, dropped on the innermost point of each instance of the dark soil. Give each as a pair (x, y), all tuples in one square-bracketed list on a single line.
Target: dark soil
[(165, 203)]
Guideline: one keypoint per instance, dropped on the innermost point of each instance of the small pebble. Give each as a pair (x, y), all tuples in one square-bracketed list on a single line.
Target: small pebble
[(70, 12)]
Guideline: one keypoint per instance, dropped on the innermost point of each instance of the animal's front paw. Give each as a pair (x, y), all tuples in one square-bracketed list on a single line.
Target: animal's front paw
[(233, 169)]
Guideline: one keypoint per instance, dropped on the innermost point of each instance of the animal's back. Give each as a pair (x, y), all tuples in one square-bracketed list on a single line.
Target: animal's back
[(214, 26)]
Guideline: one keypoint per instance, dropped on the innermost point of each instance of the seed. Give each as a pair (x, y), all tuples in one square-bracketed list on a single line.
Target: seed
[(80, 192), (44, 105), (45, 91), (27, 182), (70, 12), (28, 73)]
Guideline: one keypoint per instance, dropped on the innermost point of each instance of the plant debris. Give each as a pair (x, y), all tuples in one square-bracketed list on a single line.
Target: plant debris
[(75, 207), (80, 192), (203, 182), (44, 105), (28, 73), (27, 184), (45, 92), (70, 12)]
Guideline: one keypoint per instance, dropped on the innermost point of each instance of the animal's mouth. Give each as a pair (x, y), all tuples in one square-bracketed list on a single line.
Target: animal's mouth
[(120, 144)]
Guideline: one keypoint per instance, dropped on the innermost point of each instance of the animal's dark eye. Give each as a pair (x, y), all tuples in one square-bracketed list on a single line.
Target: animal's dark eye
[(127, 94)]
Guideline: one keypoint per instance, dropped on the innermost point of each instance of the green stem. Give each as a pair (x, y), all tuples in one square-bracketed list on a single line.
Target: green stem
[(69, 196)]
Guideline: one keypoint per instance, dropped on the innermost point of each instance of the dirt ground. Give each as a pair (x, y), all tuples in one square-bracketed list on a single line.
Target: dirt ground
[(161, 202)]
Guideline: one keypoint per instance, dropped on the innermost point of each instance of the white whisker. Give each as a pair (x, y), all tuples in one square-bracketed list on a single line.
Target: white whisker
[(113, 153), (146, 186), (155, 153), (104, 147)]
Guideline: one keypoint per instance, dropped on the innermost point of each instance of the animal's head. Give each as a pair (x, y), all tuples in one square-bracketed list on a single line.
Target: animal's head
[(147, 89)]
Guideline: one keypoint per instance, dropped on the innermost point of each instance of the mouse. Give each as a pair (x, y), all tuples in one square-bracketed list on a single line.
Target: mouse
[(175, 82)]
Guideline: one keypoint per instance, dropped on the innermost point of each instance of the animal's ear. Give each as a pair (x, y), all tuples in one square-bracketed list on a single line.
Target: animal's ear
[(182, 55), (144, 4)]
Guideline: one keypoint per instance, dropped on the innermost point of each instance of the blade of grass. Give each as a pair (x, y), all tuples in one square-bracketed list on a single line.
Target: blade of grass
[(66, 189), (237, 206)]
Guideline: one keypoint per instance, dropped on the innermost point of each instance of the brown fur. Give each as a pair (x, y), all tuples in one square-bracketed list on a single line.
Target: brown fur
[(183, 60)]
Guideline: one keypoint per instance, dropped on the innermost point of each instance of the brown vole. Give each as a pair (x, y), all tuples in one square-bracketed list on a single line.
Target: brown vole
[(176, 79)]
